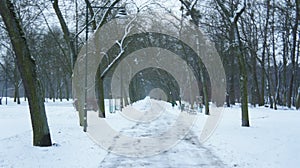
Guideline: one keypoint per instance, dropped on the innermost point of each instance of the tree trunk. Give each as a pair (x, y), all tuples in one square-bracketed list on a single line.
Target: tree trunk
[(286, 41), (27, 69), (17, 95), (255, 89), (269, 80), (16, 85), (265, 35), (25, 96), (243, 81), (298, 99), (293, 54), (100, 98), (231, 85), (91, 11), (236, 44), (204, 88), (65, 29), (67, 96), (276, 86)]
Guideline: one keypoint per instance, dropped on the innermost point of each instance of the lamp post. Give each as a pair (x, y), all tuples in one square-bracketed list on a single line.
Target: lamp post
[(6, 78), (121, 12), (85, 70)]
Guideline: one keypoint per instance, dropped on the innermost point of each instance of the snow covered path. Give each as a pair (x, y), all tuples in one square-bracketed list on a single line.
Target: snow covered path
[(188, 152)]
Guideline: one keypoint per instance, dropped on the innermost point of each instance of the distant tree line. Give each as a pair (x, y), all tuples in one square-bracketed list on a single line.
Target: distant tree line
[(259, 45)]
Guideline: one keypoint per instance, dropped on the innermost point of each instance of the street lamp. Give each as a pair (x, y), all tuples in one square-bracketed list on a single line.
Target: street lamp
[(6, 78), (121, 12)]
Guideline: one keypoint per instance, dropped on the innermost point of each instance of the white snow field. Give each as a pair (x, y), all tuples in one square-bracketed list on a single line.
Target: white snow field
[(272, 141)]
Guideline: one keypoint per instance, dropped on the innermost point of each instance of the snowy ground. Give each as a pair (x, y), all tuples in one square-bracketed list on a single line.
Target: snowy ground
[(271, 141)]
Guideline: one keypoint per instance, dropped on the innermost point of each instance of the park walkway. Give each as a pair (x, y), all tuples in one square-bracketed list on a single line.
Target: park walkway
[(188, 152)]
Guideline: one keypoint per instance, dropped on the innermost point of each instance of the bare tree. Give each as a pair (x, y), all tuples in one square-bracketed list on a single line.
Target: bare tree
[(67, 35), (293, 53), (263, 73), (27, 68), (236, 45)]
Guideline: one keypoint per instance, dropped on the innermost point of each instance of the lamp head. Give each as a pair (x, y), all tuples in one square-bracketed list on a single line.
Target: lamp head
[(121, 12)]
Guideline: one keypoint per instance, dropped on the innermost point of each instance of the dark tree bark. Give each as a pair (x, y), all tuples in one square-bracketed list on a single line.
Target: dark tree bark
[(255, 89), (27, 68), (236, 44), (100, 97), (249, 30), (293, 54), (269, 82), (67, 88), (285, 40), (298, 99), (205, 92), (243, 78), (65, 29), (263, 72), (231, 83), (16, 85), (276, 85), (91, 11)]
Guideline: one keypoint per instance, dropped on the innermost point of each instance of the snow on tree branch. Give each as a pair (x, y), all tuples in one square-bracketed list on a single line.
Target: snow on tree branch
[(120, 44), (238, 13)]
